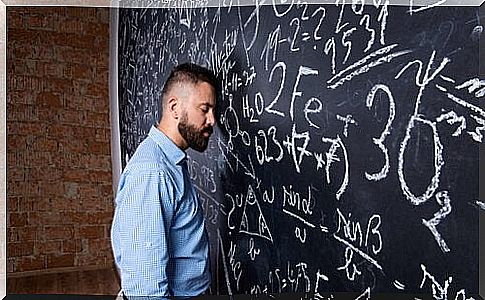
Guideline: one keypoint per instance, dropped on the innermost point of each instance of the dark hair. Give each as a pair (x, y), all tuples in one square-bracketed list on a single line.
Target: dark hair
[(191, 73)]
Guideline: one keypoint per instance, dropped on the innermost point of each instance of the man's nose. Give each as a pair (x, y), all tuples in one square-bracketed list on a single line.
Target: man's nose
[(211, 119)]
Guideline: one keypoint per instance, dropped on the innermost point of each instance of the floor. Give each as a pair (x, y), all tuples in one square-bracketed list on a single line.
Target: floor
[(90, 282)]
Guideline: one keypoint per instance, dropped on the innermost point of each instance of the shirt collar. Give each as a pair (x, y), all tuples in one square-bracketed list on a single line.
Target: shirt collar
[(172, 151)]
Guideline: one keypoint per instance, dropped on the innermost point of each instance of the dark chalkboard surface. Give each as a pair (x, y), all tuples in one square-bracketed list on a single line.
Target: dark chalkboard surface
[(346, 155)]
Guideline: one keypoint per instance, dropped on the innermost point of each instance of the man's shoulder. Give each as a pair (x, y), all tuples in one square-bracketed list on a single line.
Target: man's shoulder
[(148, 157)]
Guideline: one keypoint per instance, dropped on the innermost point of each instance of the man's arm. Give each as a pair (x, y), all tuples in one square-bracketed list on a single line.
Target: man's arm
[(141, 229)]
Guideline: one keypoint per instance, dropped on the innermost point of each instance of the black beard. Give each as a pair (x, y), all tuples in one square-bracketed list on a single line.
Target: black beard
[(194, 138)]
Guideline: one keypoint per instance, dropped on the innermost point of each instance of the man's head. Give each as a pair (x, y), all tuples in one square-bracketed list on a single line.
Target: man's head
[(188, 104)]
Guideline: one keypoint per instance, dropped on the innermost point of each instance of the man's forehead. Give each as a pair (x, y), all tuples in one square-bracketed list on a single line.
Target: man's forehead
[(206, 92)]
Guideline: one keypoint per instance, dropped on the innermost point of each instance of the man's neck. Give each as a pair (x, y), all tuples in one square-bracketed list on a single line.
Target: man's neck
[(173, 134)]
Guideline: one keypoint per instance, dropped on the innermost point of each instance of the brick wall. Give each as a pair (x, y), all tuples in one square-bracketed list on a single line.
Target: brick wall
[(59, 183)]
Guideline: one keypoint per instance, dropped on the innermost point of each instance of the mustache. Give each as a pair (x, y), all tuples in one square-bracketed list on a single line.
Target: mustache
[(208, 130)]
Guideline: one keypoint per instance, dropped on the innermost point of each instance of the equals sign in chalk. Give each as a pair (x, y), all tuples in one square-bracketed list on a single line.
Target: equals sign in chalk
[(398, 285)]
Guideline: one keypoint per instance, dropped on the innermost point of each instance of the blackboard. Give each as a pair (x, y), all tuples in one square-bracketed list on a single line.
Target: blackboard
[(346, 153)]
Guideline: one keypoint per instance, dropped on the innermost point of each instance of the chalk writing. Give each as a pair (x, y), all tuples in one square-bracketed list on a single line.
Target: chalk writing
[(253, 221), (380, 141), (346, 143)]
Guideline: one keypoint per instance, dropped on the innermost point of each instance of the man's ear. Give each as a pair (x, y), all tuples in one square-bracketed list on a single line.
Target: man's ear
[(173, 107)]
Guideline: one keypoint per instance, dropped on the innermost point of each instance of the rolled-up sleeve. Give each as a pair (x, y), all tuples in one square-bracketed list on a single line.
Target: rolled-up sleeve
[(140, 231)]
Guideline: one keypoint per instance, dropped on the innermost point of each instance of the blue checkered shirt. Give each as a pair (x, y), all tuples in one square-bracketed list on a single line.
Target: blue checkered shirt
[(158, 237)]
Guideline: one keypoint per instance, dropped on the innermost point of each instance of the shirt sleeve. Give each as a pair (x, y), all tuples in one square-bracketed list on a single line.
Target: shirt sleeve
[(143, 214)]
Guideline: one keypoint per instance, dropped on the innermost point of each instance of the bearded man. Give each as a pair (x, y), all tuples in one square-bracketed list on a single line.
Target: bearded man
[(159, 241)]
